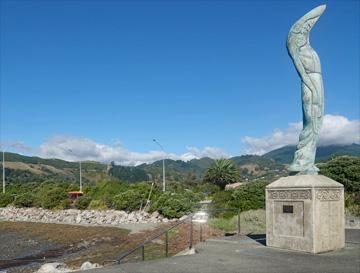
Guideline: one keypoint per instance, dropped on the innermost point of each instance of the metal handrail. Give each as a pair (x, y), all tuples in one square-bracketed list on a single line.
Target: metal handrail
[(152, 238), (142, 245)]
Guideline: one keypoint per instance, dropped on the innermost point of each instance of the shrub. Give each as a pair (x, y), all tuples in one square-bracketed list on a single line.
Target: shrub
[(108, 188), (83, 202), (24, 200), (249, 196), (129, 200), (64, 204), (108, 200), (175, 205), (5, 199), (98, 204), (53, 198), (345, 170), (223, 199)]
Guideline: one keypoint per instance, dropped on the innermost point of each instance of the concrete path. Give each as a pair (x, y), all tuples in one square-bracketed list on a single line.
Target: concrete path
[(245, 254)]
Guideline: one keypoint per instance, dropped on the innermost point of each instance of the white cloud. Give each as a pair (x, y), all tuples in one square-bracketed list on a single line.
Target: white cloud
[(212, 152), (335, 130), (75, 148), (16, 145)]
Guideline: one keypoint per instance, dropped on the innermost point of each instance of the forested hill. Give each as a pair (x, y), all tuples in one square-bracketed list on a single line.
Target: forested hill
[(285, 154), (252, 167), (54, 162)]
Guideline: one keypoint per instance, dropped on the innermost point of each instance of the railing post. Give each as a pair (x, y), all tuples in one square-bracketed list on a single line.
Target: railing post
[(238, 222), (166, 244), (191, 233), (143, 252)]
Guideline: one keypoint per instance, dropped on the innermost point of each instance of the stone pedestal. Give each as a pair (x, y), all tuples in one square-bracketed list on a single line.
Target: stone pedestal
[(305, 213)]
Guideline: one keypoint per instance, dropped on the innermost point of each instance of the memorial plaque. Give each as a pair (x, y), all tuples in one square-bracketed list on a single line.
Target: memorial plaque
[(288, 209)]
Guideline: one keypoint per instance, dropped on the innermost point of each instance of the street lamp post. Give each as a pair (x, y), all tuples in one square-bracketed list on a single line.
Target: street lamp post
[(161, 147), (3, 170)]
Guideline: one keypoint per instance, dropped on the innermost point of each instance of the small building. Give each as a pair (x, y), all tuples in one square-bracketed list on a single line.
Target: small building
[(233, 186), (73, 195)]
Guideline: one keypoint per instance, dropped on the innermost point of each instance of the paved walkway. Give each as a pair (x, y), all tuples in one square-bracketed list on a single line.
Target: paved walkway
[(245, 254)]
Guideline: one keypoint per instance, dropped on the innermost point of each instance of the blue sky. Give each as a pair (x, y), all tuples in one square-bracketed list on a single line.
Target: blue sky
[(200, 76)]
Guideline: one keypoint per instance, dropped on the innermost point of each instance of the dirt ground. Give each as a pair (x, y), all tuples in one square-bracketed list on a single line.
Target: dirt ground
[(24, 246)]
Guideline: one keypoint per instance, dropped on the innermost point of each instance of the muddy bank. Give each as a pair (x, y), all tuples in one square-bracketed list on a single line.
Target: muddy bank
[(24, 246), (27, 245), (14, 245)]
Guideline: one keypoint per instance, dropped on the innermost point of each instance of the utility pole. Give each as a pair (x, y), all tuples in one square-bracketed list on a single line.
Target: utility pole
[(79, 171), (161, 147), (80, 178)]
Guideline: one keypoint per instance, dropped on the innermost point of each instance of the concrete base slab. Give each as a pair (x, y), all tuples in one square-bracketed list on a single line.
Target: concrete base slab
[(305, 213)]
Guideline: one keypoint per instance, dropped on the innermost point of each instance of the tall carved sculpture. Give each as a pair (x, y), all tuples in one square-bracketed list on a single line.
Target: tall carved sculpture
[(305, 212), (307, 64)]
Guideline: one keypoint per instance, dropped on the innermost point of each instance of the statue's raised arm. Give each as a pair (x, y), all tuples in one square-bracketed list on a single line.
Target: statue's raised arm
[(307, 64)]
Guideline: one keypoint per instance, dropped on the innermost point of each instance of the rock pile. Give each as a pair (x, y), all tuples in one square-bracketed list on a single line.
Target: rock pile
[(81, 217), (62, 268)]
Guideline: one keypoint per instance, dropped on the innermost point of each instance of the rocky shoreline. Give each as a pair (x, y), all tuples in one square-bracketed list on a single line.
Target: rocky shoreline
[(80, 217)]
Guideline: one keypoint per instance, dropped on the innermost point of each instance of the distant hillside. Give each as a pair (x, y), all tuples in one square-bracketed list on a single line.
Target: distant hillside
[(57, 163), (20, 168), (178, 170), (252, 167), (285, 154)]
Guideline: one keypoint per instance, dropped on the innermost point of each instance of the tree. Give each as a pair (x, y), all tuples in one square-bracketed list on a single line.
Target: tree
[(222, 172), (345, 170)]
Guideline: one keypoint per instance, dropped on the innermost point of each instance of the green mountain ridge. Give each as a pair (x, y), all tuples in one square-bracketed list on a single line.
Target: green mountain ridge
[(285, 155), (267, 167)]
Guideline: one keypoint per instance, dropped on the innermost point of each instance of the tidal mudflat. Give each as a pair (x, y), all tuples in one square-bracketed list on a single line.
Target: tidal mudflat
[(25, 245)]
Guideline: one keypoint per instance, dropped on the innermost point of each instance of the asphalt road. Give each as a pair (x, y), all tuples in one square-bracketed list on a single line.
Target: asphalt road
[(245, 254)]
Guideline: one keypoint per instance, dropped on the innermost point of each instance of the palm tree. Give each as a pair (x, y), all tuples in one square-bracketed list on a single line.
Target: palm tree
[(222, 172)]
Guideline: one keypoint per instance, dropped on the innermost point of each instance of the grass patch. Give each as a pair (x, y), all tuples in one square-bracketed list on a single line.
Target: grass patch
[(252, 221), (224, 224)]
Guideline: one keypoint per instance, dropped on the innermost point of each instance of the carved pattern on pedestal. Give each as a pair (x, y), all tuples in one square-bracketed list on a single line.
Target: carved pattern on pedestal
[(328, 195), (289, 194)]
